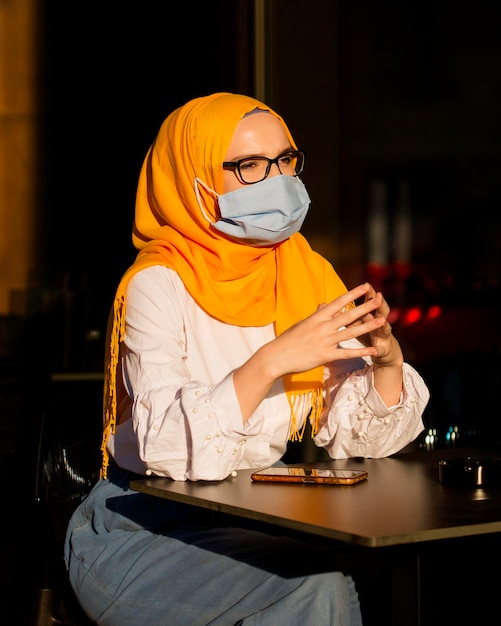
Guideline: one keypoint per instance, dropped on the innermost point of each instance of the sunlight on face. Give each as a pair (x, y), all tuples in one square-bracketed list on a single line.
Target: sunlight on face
[(259, 134)]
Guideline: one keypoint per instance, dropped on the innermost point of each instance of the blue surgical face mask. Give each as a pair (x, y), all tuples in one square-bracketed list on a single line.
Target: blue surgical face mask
[(261, 214)]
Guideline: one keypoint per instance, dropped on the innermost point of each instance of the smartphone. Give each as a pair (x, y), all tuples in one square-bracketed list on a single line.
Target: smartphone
[(310, 475)]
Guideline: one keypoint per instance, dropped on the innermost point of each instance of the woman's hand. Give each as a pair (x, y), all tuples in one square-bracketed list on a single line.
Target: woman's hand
[(389, 359), (388, 350), (316, 340)]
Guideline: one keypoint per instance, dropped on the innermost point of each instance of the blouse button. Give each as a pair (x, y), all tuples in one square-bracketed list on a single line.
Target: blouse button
[(208, 437), (210, 415), (195, 410), (220, 449), (197, 392), (387, 420), (350, 397)]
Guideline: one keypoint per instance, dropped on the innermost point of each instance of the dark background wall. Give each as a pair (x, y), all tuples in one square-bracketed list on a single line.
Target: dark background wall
[(114, 70), (422, 103)]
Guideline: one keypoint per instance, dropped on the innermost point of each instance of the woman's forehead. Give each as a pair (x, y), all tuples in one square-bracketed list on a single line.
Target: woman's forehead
[(258, 133)]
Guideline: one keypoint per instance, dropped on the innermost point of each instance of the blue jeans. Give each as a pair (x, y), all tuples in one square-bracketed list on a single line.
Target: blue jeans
[(135, 559)]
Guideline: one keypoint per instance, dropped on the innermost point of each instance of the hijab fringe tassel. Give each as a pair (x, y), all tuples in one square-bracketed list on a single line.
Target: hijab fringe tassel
[(310, 404), (116, 335)]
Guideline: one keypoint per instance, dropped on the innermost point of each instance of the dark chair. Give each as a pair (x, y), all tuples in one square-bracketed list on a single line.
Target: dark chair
[(68, 465)]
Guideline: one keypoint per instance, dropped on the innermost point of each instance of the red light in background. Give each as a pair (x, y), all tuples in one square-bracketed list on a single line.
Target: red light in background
[(413, 315), (433, 312)]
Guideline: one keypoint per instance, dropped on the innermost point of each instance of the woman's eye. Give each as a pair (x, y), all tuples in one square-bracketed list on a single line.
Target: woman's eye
[(248, 165)]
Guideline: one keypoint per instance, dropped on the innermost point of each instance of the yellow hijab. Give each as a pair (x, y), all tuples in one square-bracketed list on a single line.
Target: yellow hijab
[(235, 283)]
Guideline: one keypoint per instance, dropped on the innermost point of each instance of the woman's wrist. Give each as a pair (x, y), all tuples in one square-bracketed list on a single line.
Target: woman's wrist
[(393, 358)]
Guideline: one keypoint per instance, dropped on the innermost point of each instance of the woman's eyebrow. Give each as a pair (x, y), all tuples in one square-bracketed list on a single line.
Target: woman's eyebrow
[(255, 154)]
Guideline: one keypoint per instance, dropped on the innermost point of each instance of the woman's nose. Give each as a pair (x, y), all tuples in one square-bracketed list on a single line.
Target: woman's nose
[(274, 170)]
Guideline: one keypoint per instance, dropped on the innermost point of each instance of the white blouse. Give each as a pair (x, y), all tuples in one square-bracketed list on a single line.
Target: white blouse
[(181, 417)]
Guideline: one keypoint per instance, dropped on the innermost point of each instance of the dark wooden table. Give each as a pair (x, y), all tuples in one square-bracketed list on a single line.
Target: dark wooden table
[(402, 501)]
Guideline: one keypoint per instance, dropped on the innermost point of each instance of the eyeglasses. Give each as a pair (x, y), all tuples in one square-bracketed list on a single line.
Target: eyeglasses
[(255, 169)]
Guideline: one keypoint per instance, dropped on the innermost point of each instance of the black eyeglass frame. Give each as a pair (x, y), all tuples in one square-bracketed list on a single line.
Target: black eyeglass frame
[(235, 165)]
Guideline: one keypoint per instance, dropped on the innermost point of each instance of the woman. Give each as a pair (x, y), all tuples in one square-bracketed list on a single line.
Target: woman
[(228, 333)]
